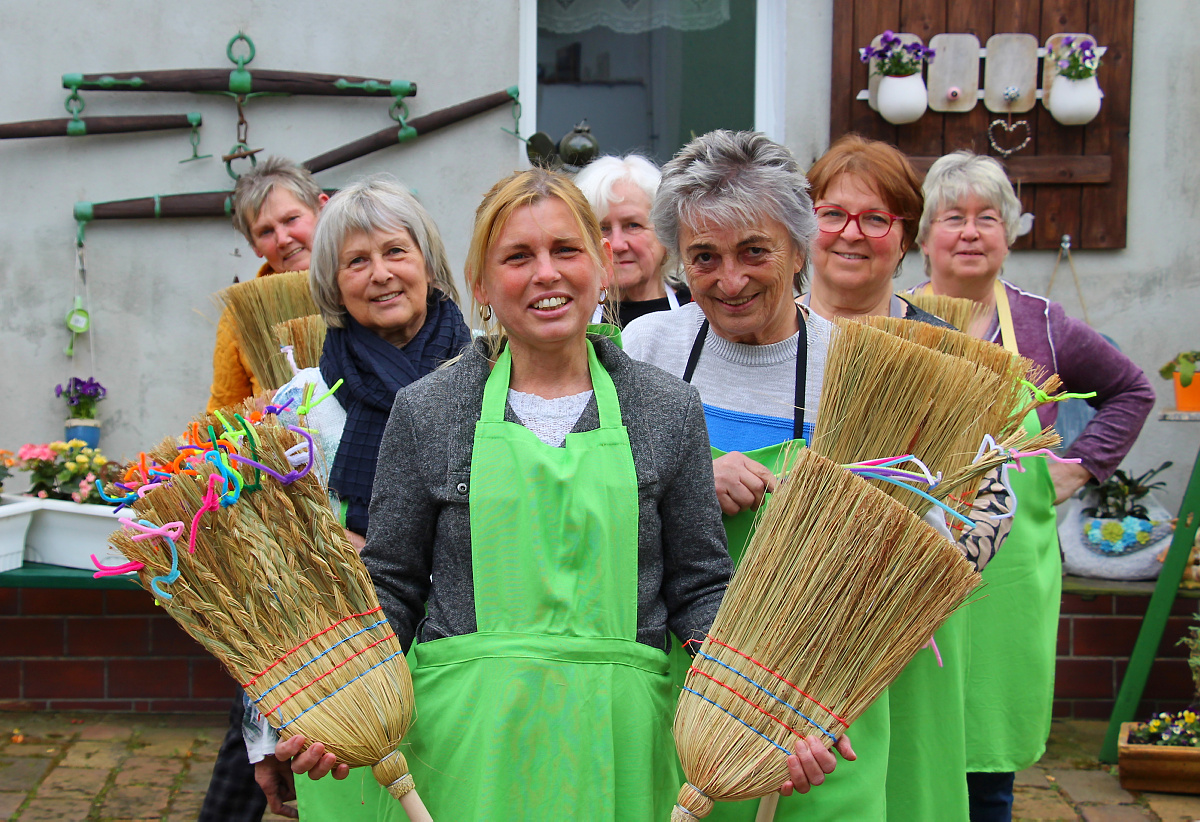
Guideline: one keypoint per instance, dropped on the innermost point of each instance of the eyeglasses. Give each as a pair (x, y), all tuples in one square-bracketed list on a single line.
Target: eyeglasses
[(874, 224), (984, 223)]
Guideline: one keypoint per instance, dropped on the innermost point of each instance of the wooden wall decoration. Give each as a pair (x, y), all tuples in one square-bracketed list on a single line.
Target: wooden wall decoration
[(1073, 178)]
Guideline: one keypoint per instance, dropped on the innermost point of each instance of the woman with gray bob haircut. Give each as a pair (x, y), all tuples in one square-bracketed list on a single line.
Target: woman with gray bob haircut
[(376, 203), (380, 279)]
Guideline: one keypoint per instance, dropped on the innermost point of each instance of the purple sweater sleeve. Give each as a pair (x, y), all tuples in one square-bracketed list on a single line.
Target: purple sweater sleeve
[(1086, 362)]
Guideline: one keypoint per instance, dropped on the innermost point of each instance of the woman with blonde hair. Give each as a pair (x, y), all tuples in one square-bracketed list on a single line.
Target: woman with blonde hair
[(544, 518)]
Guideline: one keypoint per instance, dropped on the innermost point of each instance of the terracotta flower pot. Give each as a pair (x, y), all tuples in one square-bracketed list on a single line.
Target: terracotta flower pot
[(1187, 399), (1157, 767)]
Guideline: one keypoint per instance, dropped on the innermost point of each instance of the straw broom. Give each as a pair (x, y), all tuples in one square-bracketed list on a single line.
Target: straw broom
[(936, 399), (306, 336), (256, 307), (963, 314), (276, 593), (839, 588)]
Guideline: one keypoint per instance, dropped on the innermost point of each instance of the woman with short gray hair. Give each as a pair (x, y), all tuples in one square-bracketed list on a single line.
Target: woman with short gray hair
[(970, 220), (734, 208)]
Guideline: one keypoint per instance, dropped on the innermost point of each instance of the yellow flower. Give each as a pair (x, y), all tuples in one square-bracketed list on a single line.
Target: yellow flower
[(99, 460), (1189, 717), (82, 460), (87, 451), (1155, 724), (77, 444), (58, 447), (1112, 530)]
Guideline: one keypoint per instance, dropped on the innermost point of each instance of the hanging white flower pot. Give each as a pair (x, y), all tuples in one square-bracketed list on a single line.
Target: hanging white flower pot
[(1074, 102), (902, 99)]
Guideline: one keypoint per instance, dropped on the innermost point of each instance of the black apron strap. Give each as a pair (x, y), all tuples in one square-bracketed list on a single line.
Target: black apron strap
[(801, 369)]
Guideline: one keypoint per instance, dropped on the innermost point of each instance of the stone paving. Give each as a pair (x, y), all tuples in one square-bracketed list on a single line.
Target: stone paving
[(122, 767)]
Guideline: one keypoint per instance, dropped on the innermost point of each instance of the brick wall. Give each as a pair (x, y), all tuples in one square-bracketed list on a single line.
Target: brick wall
[(103, 651), (1095, 639)]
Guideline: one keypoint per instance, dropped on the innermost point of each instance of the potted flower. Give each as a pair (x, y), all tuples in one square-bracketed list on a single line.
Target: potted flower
[(1182, 370), (70, 519), (1117, 529), (81, 397), (901, 97), (1075, 94), (1163, 753), (15, 517)]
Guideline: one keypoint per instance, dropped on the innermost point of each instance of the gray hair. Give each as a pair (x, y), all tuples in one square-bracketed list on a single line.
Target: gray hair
[(734, 178), (598, 178), (954, 177), (376, 203), (253, 188)]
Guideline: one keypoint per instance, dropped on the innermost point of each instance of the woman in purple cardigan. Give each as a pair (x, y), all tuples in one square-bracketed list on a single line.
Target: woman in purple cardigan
[(969, 222)]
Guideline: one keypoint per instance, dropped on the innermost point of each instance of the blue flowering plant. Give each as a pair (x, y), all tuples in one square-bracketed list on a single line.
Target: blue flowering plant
[(1076, 57), (894, 57), (1180, 730), (81, 396)]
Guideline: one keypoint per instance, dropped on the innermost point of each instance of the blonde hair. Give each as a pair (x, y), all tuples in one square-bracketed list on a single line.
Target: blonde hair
[(520, 189)]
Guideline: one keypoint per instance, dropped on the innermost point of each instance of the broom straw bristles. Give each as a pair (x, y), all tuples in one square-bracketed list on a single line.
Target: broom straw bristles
[(960, 312), (839, 588), (256, 307), (899, 387), (275, 591), (306, 336)]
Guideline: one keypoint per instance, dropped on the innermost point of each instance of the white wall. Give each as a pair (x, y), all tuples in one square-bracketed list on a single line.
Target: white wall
[(150, 281), (1144, 296)]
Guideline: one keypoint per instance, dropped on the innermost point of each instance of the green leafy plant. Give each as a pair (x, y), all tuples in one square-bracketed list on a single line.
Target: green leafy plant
[(1192, 641), (1076, 57), (1185, 364), (1119, 495)]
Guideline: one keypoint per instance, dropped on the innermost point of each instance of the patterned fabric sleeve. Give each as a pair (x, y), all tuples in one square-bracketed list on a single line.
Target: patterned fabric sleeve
[(993, 501)]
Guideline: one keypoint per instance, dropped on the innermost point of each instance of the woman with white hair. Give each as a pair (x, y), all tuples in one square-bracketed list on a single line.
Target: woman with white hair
[(968, 223), (621, 192)]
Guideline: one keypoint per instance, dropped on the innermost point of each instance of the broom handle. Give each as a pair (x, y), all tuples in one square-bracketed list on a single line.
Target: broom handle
[(414, 807), (766, 807)]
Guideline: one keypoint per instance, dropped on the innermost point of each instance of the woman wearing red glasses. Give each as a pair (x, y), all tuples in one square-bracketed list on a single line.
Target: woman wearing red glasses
[(868, 203)]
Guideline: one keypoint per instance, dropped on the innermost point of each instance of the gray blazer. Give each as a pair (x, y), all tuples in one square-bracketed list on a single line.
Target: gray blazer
[(419, 544)]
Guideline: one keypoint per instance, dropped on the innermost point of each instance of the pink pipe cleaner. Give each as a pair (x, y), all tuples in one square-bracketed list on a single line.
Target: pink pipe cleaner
[(211, 503)]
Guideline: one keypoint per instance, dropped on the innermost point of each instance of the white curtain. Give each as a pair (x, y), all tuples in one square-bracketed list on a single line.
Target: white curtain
[(631, 16)]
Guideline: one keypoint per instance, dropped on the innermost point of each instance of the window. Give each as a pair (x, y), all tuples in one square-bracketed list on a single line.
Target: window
[(647, 75)]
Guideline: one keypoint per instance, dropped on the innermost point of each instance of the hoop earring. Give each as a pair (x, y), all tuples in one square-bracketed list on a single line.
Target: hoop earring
[(603, 296), (485, 313)]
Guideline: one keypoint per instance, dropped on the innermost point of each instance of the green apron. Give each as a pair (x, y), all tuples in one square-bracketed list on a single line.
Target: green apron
[(855, 790), (926, 775), (1014, 628), (552, 710)]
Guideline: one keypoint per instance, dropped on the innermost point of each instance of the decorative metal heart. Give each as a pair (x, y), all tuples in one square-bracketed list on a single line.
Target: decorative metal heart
[(1008, 130)]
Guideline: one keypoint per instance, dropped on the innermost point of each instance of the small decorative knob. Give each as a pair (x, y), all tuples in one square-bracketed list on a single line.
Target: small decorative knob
[(954, 92), (1011, 93)]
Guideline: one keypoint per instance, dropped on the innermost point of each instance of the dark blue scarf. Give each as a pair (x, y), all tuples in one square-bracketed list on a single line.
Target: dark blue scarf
[(373, 371)]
